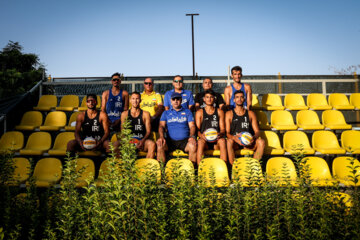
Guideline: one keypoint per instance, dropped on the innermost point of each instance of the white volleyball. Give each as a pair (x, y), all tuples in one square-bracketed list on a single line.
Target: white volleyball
[(89, 143), (211, 134), (246, 138)]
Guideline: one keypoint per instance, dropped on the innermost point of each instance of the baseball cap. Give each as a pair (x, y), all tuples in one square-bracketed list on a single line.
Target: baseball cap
[(176, 95)]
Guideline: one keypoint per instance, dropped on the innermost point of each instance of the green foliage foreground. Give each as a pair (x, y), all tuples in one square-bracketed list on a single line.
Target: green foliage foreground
[(126, 207)]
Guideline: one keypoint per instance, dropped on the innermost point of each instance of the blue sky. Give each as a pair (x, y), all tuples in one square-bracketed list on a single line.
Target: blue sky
[(140, 38)]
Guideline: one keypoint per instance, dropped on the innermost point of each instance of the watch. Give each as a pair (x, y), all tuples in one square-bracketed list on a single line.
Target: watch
[(193, 136)]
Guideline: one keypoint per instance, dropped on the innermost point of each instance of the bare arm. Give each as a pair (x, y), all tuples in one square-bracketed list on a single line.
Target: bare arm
[(104, 98), (227, 96), (197, 107), (126, 100), (248, 95), (198, 121), (221, 123), (159, 111), (147, 122), (254, 124), (79, 120), (105, 122), (123, 118), (228, 119)]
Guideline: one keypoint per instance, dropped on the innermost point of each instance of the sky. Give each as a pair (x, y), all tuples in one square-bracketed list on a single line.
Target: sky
[(84, 38)]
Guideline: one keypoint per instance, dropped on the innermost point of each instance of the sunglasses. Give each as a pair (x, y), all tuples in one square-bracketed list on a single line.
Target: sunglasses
[(176, 98), (148, 83), (91, 100), (116, 79), (178, 81)]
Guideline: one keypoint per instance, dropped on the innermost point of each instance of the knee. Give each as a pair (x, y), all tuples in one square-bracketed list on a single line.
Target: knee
[(221, 142), (230, 142), (260, 143), (151, 146)]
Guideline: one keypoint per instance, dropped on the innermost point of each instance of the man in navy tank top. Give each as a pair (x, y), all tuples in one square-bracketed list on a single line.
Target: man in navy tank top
[(140, 121), (207, 120), (114, 102), (240, 120), (91, 123), (236, 74)]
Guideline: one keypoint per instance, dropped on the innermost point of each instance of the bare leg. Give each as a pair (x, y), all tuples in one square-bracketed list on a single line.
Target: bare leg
[(260, 146), (150, 147), (200, 150), (72, 146), (230, 150), (161, 151), (222, 145), (191, 149)]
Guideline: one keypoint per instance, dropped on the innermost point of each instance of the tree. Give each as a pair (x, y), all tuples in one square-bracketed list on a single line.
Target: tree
[(18, 71)]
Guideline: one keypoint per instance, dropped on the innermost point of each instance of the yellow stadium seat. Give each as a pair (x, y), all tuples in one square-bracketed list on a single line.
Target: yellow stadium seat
[(317, 101), (247, 172), (90, 153), (272, 143), (343, 171), (72, 122), (334, 119), (141, 153), (54, 121), (212, 153), (282, 120), (86, 169), (68, 103), (104, 170), (30, 120), (21, 171), (355, 100), (60, 144), (213, 172), (47, 172), (326, 142), (297, 142), (294, 101), (262, 120), (46, 103), (178, 153), (11, 141), (37, 144), (350, 141), (281, 171), (83, 106), (272, 101), (244, 152), (318, 172), (308, 120), (255, 104), (148, 169), (179, 167), (340, 101)]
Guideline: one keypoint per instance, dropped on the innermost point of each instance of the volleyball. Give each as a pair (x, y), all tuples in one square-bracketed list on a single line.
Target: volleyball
[(135, 140), (89, 143), (211, 134), (246, 138)]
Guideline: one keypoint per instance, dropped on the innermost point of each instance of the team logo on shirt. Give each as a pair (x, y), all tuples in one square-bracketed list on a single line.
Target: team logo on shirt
[(183, 113)]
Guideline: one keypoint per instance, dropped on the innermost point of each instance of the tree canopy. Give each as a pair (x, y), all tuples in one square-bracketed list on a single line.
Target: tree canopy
[(18, 71)]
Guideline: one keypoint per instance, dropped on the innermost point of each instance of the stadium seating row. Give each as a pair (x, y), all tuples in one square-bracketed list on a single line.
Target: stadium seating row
[(68, 103), (323, 142), (247, 171)]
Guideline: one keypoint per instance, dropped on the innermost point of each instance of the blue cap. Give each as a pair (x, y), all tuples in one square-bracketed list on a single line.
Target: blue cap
[(176, 95)]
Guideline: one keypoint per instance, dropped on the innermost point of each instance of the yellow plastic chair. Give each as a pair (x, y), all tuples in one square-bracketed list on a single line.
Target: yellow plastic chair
[(21, 171), (178, 153), (104, 170), (317, 101), (297, 142), (47, 172), (350, 141), (152, 136), (262, 120), (54, 121), (340, 101), (46, 103), (68, 103), (37, 144), (319, 172), (281, 171), (179, 167), (11, 141), (294, 101), (326, 142), (272, 101), (334, 119), (342, 171), (90, 153), (60, 144), (86, 169), (247, 171), (148, 169), (282, 120), (308, 120), (255, 104), (30, 120), (355, 100), (72, 122), (83, 106), (272, 143), (213, 172)]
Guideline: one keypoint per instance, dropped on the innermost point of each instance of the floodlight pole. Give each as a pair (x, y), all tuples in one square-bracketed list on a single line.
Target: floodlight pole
[(192, 29)]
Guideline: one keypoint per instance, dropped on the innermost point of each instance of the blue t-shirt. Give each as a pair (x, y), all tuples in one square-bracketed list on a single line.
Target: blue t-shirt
[(114, 106), (187, 98), (177, 123), (232, 102)]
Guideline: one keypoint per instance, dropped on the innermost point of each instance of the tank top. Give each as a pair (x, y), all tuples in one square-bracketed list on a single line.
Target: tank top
[(210, 121), (137, 125), (240, 123), (92, 127), (232, 103), (114, 106)]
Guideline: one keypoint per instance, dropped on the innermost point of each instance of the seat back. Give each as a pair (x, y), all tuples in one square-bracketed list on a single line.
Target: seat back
[(271, 99), (56, 118), (86, 169), (213, 172), (32, 118), (318, 169), (69, 101), (179, 167), (48, 171), (338, 99), (316, 99), (148, 169), (62, 139), (295, 139), (294, 100), (333, 117), (39, 140), (281, 117), (307, 117), (247, 170), (271, 139), (350, 140), (343, 170), (355, 100), (72, 118), (281, 170), (262, 120), (324, 139), (255, 104), (12, 140), (21, 171), (47, 101)]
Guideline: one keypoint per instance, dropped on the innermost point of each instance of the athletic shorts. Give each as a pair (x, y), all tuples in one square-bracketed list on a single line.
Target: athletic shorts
[(173, 144)]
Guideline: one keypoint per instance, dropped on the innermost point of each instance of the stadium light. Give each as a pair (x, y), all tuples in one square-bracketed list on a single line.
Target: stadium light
[(192, 29)]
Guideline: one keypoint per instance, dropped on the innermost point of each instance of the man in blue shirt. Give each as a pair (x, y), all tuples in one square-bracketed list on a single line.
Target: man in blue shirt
[(186, 95), (181, 129)]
